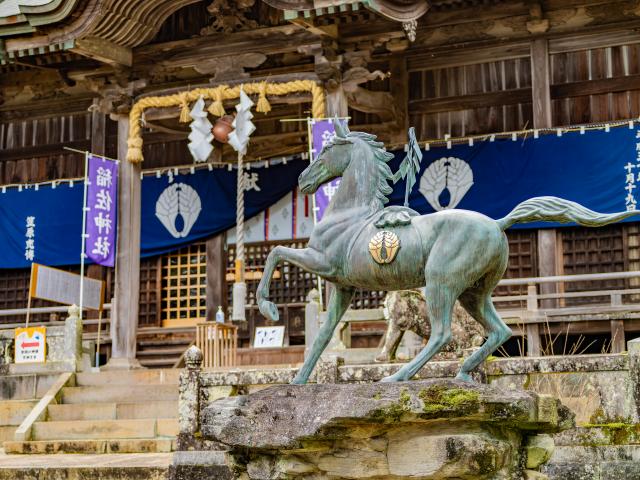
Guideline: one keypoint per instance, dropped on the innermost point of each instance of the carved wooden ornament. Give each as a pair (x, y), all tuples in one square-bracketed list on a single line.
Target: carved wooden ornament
[(384, 246)]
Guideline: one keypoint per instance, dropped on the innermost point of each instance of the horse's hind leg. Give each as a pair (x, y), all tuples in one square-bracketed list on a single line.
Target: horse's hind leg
[(440, 301), (480, 306)]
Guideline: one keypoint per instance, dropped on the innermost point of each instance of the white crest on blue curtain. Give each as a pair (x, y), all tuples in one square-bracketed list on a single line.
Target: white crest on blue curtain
[(445, 182), (176, 200)]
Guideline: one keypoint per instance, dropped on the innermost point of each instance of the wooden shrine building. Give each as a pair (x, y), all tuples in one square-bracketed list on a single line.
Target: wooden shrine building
[(72, 70)]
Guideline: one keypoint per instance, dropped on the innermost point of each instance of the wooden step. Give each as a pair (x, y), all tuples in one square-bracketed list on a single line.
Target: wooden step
[(115, 445), (173, 351), (156, 342), (119, 393), (166, 362), (94, 429)]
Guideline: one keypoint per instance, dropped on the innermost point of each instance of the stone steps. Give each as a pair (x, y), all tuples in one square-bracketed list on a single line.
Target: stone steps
[(106, 412), (113, 411), (90, 429), (134, 377), (150, 466), (6, 432), (91, 446), (118, 393), (12, 412)]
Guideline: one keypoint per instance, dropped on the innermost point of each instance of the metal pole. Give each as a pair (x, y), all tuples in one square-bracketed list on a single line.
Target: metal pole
[(84, 235), (29, 297), (313, 198)]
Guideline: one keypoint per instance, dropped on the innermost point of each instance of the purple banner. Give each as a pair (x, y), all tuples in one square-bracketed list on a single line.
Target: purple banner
[(102, 195), (323, 131)]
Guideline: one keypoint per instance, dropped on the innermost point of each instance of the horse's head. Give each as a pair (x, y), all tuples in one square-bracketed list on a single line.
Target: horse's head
[(331, 163)]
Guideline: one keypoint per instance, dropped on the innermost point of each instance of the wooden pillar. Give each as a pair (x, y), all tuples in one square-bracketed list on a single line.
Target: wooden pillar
[(549, 254), (541, 103), (399, 88), (540, 83), (98, 146), (124, 314), (216, 276)]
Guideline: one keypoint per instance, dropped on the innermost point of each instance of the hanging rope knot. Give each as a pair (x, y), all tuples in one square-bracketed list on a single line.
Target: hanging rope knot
[(263, 105), (134, 150), (217, 108), (185, 115)]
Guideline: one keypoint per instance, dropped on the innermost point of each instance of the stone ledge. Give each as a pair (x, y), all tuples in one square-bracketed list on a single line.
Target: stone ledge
[(433, 429)]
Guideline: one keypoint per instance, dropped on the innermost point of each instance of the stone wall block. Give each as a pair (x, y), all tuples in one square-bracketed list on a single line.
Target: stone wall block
[(189, 393), (539, 449), (73, 337), (446, 456), (327, 369), (633, 347)]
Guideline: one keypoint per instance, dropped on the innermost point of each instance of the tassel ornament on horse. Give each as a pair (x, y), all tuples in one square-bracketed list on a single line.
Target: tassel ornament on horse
[(456, 255)]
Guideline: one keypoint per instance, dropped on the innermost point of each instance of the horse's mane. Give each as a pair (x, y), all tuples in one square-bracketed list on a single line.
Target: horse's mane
[(379, 153)]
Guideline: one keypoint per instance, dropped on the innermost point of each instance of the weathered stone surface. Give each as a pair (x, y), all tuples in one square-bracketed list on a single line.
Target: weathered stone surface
[(446, 454), (534, 475), (539, 449), (434, 429)]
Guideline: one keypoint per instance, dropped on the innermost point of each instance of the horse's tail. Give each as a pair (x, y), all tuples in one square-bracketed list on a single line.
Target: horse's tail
[(554, 209)]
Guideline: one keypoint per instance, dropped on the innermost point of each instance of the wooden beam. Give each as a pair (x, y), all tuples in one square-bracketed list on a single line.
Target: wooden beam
[(467, 102), (41, 151), (595, 87), (524, 95), (443, 58), (104, 51), (189, 52)]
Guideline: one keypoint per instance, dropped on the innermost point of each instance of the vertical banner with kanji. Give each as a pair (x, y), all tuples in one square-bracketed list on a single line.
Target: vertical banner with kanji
[(102, 195), (322, 132)]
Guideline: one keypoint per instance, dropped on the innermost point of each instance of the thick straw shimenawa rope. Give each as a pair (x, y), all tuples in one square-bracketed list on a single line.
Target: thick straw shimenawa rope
[(218, 95)]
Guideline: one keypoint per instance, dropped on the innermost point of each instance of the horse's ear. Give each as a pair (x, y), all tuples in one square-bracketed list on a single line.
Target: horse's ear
[(341, 128)]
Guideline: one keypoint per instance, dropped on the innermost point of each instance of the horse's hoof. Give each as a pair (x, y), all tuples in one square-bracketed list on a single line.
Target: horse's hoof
[(392, 378), (464, 377), (298, 381), (269, 310)]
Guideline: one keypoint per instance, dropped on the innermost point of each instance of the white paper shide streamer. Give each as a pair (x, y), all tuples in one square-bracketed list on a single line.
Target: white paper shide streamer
[(201, 135)]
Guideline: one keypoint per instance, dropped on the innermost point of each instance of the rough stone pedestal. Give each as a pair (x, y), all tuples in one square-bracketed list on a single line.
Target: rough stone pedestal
[(435, 429)]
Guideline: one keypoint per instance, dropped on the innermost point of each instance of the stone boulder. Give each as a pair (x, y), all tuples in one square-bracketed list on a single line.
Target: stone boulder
[(433, 429)]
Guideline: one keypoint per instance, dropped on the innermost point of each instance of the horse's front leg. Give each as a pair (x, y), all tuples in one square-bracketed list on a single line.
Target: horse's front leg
[(308, 259), (338, 304)]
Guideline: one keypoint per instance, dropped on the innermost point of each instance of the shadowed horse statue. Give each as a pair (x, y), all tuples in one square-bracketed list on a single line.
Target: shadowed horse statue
[(455, 254)]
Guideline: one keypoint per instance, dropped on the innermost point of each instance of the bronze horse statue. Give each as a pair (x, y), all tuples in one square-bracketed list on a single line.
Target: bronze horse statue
[(455, 254)]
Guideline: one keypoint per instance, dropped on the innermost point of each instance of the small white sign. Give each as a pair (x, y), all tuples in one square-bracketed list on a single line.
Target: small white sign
[(30, 345), (269, 337)]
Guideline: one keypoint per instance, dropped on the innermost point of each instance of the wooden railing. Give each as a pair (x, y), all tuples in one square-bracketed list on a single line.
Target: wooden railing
[(611, 305), (218, 343), (606, 305)]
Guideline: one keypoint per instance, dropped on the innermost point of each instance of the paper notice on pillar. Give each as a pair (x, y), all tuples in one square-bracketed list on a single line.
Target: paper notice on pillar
[(322, 132), (102, 208)]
